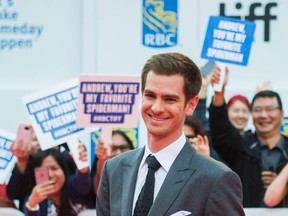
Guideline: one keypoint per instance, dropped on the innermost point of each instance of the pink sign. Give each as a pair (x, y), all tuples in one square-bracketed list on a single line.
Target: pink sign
[(108, 101)]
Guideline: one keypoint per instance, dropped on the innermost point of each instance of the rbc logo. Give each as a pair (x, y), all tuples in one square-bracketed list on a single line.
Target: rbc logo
[(159, 23)]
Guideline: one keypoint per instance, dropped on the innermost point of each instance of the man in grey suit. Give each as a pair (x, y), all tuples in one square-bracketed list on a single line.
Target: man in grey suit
[(188, 182)]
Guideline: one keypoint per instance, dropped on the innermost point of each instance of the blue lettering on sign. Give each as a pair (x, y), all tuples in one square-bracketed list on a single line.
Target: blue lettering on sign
[(5, 154), (108, 102), (56, 113), (228, 40), (160, 23)]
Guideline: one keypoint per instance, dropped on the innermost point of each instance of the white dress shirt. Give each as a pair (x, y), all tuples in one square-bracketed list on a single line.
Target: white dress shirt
[(166, 157)]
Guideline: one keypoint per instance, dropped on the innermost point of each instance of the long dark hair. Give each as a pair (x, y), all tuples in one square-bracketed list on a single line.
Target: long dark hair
[(65, 207)]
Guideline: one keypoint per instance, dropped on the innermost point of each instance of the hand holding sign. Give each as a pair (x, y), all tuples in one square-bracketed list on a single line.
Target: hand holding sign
[(102, 151), (220, 78), (79, 153), (218, 86), (83, 156)]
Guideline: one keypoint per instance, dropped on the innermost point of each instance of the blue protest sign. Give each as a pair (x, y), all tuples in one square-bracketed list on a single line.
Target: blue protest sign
[(5, 153), (53, 113), (7, 159), (228, 40)]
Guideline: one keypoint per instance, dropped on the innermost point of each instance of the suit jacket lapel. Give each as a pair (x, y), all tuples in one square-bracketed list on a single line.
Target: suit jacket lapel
[(179, 173), (130, 169)]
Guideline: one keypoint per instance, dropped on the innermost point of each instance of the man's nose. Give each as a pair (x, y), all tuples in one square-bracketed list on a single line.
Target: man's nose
[(157, 106)]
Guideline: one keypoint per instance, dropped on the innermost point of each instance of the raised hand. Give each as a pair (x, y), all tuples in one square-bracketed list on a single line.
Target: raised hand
[(41, 192), (202, 144), (101, 151)]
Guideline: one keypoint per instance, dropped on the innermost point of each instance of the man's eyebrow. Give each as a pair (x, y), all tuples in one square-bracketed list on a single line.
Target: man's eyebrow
[(268, 106), (172, 96), (164, 95), (148, 91)]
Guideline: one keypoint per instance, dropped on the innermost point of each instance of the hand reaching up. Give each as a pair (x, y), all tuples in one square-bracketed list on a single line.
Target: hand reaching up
[(201, 144)]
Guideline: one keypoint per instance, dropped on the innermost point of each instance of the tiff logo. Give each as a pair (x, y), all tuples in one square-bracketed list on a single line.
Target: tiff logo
[(266, 17)]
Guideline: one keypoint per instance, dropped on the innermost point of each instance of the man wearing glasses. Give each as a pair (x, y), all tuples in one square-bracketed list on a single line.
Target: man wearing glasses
[(257, 158)]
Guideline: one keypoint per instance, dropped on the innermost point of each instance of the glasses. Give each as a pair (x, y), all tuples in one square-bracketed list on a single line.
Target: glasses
[(121, 147), (269, 110)]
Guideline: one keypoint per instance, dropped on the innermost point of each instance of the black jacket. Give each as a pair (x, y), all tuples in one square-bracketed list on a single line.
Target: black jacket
[(242, 153)]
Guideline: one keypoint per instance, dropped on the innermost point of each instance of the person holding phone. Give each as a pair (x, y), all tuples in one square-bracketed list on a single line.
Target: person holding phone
[(24, 147), (20, 184), (61, 194)]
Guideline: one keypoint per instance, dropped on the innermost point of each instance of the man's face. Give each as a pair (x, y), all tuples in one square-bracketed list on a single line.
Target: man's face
[(267, 116), (163, 105)]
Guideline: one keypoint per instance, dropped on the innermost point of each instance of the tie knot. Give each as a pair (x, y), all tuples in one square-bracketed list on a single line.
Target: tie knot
[(153, 163)]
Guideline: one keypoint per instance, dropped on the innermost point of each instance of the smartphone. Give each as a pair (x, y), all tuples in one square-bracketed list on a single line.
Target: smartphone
[(208, 67), (25, 133), (41, 174)]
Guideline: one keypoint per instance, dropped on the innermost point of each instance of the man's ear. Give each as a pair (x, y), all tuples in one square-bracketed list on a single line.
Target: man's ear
[(191, 105)]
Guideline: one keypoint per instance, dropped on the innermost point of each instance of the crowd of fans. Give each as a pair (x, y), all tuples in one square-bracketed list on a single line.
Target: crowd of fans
[(259, 158)]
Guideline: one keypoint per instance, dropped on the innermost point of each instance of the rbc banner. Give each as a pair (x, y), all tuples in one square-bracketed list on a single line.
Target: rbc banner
[(160, 23), (228, 40)]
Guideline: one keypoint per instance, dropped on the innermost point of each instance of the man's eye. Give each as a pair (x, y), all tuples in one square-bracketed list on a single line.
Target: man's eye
[(149, 96), (170, 99)]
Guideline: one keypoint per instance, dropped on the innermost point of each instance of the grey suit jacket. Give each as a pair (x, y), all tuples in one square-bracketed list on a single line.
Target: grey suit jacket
[(194, 183)]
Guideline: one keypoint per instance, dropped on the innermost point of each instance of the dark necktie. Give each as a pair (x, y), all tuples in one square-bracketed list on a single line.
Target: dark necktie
[(145, 199)]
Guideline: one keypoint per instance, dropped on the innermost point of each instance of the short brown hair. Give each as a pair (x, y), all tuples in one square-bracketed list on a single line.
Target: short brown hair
[(169, 64)]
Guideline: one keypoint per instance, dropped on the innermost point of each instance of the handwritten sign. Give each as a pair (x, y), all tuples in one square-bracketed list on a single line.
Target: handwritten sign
[(228, 40), (7, 159), (108, 101)]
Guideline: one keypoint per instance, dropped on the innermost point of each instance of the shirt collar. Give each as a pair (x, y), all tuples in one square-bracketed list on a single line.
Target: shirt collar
[(280, 145), (172, 150)]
